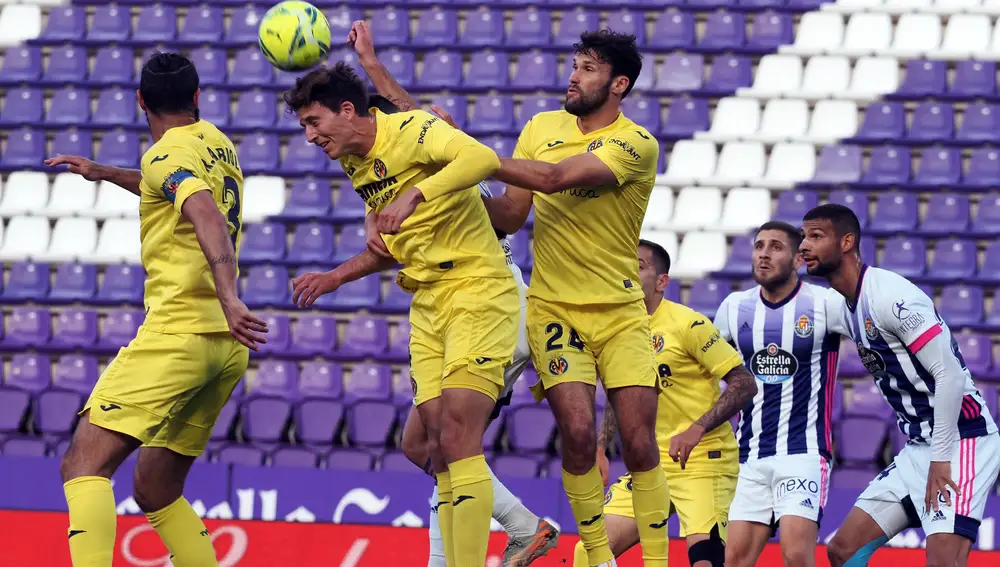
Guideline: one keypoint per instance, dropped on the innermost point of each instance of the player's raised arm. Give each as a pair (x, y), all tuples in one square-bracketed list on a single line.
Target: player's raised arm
[(360, 38), (127, 179)]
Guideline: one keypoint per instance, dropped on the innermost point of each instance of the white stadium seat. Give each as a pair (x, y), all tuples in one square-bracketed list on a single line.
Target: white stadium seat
[(776, 75), (867, 34), (739, 163), (27, 237), (783, 119), (19, 23), (72, 238), (831, 121), (25, 193), (788, 164), (916, 35), (825, 76), (817, 32), (71, 195), (690, 160), (856, 5), (114, 202), (118, 242), (734, 119), (660, 208), (697, 208), (700, 253), (965, 35), (263, 196), (666, 239), (908, 4), (993, 52), (873, 77), (745, 209)]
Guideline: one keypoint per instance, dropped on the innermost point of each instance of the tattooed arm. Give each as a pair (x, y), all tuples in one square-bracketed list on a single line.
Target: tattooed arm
[(741, 387), (361, 38)]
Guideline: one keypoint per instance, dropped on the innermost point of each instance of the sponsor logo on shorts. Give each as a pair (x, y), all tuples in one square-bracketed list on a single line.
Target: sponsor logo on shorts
[(798, 485), (109, 407), (482, 360), (885, 472), (773, 365), (657, 344), (803, 327), (558, 366), (807, 503), (938, 516), (870, 329)]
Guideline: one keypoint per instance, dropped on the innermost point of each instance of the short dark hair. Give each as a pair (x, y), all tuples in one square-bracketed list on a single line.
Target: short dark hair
[(661, 259), (618, 49), (168, 84), (383, 104), (842, 218), (794, 234), (330, 87)]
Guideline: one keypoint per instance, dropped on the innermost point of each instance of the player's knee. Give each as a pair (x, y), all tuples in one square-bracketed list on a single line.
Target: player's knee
[(640, 452), (797, 554), (417, 449), (838, 551), (579, 447), (154, 493)]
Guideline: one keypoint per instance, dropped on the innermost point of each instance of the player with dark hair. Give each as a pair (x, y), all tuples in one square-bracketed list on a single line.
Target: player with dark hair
[(941, 479), (419, 177), (164, 391), (781, 329), (692, 424)]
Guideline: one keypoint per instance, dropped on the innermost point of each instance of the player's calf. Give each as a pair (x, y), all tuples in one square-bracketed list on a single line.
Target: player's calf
[(857, 539), (415, 443), (946, 550)]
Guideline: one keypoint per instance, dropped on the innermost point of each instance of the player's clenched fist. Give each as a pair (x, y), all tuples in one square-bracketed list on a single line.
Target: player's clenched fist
[(360, 37), (243, 325), (91, 171), (391, 219), (307, 288)]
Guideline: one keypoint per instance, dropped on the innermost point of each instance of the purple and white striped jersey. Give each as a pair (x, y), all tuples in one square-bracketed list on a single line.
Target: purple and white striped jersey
[(892, 320), (795, 358)]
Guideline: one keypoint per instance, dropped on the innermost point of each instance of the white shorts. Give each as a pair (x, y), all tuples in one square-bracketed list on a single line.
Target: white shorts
[(792, 485), (895, 498), (522, 353)]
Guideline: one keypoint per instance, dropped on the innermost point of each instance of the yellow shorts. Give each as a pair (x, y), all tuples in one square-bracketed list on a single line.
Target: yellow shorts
[(573, 343), (700, 499), (167, 390), (469, 323)]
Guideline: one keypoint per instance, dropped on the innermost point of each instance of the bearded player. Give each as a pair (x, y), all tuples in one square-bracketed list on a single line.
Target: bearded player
[(941, 479), (697, 449), (164, 391)]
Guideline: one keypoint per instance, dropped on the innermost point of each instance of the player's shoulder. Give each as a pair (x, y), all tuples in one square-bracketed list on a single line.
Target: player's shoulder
[(740, 295), (406, 121), (626, 129), (682, 317), (883, 284), (551, 119)]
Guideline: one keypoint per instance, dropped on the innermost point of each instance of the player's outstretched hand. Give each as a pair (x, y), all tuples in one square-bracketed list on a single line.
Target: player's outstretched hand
[(360, 38), (603, 466), (307, 288), (683, 443), (90, 170), (392, 217), (445, 115), (938, 481), (243, 325), (374, 240)]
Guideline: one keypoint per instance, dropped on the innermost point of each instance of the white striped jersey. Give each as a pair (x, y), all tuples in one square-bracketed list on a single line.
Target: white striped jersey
[(891, 321), (787, 347)]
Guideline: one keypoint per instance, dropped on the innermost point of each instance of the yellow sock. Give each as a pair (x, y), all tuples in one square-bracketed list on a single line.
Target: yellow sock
[(472, 506), (650, 503), (586, 498), (444, 517), (92, 521), (184, 534), (580, 558)]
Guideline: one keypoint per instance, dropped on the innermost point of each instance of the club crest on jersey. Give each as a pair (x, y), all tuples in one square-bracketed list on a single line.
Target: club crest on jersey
[(870, 329), (558, 366), (378, 167), (657, 344), (595, 144), (773, 365), (173, 182), (803, 327)]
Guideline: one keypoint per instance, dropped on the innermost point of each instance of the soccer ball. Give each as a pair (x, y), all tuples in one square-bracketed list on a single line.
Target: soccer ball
[(294, 36)]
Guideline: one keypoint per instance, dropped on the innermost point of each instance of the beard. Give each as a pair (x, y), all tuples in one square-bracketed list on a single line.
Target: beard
[(824, 269), (587, 103), (777, 279)]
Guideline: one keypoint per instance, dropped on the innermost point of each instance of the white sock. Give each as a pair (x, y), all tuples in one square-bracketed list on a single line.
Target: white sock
[(519, 522), (436, 557)]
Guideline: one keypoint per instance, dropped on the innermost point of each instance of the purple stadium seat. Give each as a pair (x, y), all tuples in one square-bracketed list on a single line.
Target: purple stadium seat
[(28, 327), (939, 166), (838, 164), (21, 64), (980, 123), (29, 372), (348, 207), (857, 201), (534, 104), (22, 105), (793, 205), (850, 362), (456, 105), (521, 394), (312, 242), (313, 335), (250, 69), (67, 64), (723, 31), (681, 72), (156, 23), (673, 30), (115, 107), (276, 379), (974, 79), (255, 109), (643, 111), (924, 78), (492, 114), (243, 26), (350, 460), (27, 281), (263, 242), (395, 300), (317, 420), (983, 169), (401, 65), (954, 259), (530, 28), (684, 118), (883, 121), (705, 296), (75, 328), (629, 22), (895, 212), (864, 399), (113, 66), (396, 461), (309, 199), (25, 149), (110, 24), (246, 455), (399, 344), (368, 382), (947, 213), (483, 28), (888, 165), (211, 65), (529, 429), (504, 147), (572, 25), (321, 380), (120, 327), (303, 157), (861, 438), (852, 478), (264, 418), (369, 423), (515, 466), (402, 392), (391, 27), (76, 373), (359, 294), (987, 219), (341, 18), (932, 121), (364, 337), (351, 242), (487, 70), (740, 260), (993, 316), (24, 447), (905, 256), (435, 26), (989, 393), (258, 152), (122, 284), (55, 411), (962, 305), (65, 23), (73, 142), (441, 69), (294, 457), (535, 70), (227, 418), (771, 30), (70, 106), (203, 24), (119, 149), (13, 405), (277, 336)]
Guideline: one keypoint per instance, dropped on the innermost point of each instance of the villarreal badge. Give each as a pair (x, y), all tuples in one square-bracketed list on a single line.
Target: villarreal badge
[(803, 327), (558, 366), (657, 344)]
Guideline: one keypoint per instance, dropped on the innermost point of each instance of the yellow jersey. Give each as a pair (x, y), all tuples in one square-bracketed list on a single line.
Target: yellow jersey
[(586, 239), (691, 359), (180, 288)]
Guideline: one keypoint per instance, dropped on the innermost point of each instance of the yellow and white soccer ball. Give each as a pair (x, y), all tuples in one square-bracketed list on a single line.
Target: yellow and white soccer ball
[(294, 36)]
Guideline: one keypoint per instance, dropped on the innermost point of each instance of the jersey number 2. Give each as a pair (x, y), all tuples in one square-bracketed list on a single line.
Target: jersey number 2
[(556, 330), (231, 197)]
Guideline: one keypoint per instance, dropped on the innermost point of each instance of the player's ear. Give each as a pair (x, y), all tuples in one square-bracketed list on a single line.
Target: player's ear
[(662, 281), (619, 85), (347, 109), (847, 243), (797, 261)]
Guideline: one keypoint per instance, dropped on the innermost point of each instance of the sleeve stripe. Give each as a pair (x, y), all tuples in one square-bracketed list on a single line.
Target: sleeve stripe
[(925, 338)]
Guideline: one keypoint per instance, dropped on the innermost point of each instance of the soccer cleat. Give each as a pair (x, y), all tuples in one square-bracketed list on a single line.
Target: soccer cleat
[(521, 553)]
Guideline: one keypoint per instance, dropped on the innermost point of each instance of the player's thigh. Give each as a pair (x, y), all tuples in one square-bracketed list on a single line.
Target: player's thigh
[(798, 539), (189, 427), (884, 508), (557, 348), (146, 383), (701, 500), (426, 348), (623, 345), (623, 532), (745, 542), (753, 500)]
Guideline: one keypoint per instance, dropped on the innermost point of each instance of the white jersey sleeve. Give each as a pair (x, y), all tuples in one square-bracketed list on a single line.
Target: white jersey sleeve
[(722, 319)]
